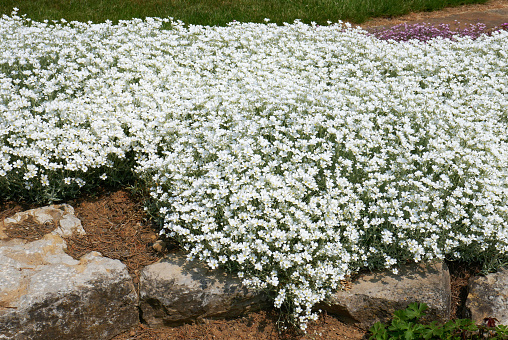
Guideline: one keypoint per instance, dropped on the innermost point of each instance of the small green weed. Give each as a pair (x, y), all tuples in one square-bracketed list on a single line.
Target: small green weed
[(405, 325)]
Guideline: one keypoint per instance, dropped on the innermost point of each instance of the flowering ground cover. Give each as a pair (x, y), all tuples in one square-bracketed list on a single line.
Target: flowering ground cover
[(294, 155)]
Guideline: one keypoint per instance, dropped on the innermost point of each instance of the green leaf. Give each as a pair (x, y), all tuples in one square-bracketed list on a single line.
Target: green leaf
[(400, 315), (409, 335), (428, 333), (502, 330), (415, 310), (378, 331), (399, 325)]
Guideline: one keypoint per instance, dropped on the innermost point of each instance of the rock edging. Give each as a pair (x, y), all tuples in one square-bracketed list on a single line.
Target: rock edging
[(44, 293), (174, 290), (376, 296)]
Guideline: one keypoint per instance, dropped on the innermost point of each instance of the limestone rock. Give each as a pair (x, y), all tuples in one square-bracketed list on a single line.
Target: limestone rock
[(488, 297), (62, 215), (46, 294), (374, 297), (174, 291)]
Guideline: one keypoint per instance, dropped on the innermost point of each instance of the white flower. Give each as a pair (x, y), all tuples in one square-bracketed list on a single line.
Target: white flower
[(387, 236), (44, 180)]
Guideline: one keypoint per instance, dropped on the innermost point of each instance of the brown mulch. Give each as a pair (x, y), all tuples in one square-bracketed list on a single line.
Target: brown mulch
[(460, 273), (117, 227), (8, 209), (29, 229), (255, 326)]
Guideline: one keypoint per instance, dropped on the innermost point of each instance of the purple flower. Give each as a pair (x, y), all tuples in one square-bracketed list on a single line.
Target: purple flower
[(426, 31)]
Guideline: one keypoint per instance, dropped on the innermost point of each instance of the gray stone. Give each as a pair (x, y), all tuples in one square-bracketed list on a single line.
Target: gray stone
[(174, 291), (62, 215), (488, 297), (46, 294), (374, 297)]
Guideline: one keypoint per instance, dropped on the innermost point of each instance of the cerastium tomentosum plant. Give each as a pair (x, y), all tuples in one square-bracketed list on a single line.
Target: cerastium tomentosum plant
[(294, 155)]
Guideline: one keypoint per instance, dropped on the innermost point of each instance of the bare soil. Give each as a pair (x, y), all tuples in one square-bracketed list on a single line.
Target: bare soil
[(493, 14)]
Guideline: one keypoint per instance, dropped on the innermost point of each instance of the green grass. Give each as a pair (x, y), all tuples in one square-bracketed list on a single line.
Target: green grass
[(220, 12)]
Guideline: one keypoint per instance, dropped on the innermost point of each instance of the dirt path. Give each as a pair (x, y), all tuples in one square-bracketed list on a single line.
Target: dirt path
[(493, 14)]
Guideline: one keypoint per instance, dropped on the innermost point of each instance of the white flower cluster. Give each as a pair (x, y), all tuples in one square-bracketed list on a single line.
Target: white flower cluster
[(292, 154)]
